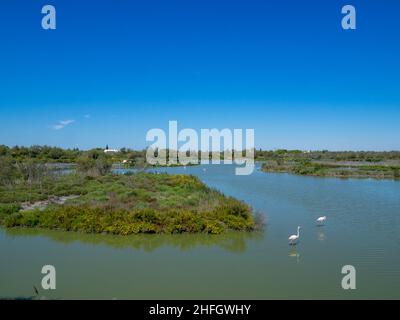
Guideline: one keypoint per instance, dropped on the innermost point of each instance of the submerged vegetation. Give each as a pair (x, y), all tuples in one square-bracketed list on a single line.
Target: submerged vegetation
[(103, 202)]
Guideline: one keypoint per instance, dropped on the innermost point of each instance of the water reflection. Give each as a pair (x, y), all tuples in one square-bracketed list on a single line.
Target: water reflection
[(232, 241), (321, 235), (294, 254)]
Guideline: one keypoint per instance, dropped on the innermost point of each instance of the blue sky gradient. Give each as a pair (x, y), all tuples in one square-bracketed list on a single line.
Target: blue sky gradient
[(112, 70)]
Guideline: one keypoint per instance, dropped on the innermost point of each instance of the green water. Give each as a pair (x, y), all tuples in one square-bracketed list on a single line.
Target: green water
[(363, 230)]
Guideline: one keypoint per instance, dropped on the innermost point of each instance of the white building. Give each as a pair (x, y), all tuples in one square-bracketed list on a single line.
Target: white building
[(111, 150)]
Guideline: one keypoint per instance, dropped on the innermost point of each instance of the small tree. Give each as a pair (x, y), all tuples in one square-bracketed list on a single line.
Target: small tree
[(94, 163), (8, 171), (32, 171)]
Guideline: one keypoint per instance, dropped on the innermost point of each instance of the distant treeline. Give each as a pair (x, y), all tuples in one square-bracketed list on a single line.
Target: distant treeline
[(324, 155), (49, 154)]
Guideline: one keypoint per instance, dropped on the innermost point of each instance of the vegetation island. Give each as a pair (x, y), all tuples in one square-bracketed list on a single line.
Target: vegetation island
[(349, 164), (90, 198)]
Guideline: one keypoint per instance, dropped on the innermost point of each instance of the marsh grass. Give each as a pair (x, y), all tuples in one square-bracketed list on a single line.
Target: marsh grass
[(332, 169), (126, 204)]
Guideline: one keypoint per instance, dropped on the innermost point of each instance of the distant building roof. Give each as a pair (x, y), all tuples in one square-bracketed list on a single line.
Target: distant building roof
[(110, 150)]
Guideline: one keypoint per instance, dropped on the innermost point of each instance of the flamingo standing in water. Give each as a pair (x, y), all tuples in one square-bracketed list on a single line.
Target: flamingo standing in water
[(293, 238), (321, 220)]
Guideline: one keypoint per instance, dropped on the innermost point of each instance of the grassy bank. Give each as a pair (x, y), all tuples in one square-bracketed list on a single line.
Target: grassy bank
[(124, 204), (333, 169)]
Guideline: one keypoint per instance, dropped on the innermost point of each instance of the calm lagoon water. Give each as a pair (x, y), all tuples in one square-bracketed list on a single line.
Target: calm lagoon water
[(363, 230)]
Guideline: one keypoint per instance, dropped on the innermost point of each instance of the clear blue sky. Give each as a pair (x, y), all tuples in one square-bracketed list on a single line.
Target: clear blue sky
[(114, 69)]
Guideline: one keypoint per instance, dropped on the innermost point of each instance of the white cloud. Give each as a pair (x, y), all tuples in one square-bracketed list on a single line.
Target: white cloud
[(62, 124), (87, 116)]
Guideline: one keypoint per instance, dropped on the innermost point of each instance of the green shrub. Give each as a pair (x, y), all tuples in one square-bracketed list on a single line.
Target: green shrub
[(94, 163), (12, 220), (146, 215), (7, 209), (120, 204), (213, 227)]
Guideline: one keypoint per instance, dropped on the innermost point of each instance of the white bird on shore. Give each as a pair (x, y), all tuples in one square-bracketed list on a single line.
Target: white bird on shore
[(321, 220), (293, 238)]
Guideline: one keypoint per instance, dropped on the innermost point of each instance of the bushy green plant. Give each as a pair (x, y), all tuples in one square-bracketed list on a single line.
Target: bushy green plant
[(120, 204), (94, 163), (8, 170), (7, 210)]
